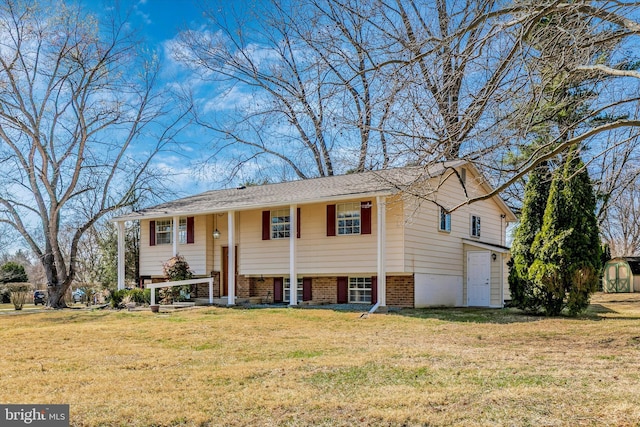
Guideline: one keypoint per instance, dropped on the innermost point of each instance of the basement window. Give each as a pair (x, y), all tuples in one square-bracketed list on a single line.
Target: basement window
[(360, 290), (287, 290)]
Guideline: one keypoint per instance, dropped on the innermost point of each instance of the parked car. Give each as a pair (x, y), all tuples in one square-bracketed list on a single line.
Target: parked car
[(39, 297), (78, 294)]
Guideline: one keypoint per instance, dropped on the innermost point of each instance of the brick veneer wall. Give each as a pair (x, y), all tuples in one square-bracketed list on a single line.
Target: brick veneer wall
[(324, 290), (262, 288), (243, 287), (202, 289), (400, 291)]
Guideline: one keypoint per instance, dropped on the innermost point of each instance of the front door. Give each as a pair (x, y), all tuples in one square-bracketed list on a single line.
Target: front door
[(479, 278)]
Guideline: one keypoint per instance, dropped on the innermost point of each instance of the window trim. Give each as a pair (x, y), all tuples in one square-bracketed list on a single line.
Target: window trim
[(447, 220), (286, 232), (354, 207), (475, 225), (182, 230), (162, 235), (363, 290)]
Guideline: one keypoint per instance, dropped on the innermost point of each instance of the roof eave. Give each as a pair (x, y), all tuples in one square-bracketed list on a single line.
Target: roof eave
[(136, 216)]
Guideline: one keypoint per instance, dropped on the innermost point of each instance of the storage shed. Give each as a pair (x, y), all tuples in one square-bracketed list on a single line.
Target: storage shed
[(621, 274)]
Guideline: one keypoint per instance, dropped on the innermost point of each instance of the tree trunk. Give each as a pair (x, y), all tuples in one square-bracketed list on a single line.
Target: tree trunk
[(56, 296), (55, 289)]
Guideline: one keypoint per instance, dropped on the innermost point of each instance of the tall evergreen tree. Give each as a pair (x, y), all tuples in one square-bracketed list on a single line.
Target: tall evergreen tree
[(567, 249), (534, 204)]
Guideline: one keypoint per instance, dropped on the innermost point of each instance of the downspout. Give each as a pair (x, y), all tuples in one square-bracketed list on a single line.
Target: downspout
[(121, 255), (502, 236), (375, 307), (381, 255)]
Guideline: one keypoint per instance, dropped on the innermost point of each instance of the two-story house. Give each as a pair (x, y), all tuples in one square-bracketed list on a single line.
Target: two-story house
[(386, 238)]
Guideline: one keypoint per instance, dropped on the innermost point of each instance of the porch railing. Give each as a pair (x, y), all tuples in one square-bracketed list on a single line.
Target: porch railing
[(154, 286)]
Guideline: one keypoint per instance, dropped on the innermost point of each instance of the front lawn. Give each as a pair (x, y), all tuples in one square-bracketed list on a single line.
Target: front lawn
[(281, 366)]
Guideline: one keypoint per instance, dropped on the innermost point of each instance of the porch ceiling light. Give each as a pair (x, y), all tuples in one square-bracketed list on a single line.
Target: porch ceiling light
[(216, 234)]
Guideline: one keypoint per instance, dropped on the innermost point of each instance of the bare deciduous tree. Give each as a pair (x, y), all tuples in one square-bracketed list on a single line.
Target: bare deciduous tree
[(416, 82), (75, 99)]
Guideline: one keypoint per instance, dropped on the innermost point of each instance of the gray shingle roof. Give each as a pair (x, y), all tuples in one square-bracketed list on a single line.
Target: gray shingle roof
[(363, 184)]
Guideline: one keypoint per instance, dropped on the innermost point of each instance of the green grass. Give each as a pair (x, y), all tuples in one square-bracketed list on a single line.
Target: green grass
[(291, 367)]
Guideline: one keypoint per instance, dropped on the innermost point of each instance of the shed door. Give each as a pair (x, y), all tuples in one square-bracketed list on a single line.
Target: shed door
[(617, 278), (479, 278)]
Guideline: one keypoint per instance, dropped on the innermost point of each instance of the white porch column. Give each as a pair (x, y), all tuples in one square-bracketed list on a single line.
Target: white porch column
[(121, 246), (176, 226), (382, 232), (293, 237), (231, 279)]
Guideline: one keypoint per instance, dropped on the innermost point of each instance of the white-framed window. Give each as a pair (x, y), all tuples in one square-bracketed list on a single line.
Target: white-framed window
[(280, 224), (475, 226), (286, 294), (164, 232), (360, 290), (348, 218), (444, 224), (182, 231)]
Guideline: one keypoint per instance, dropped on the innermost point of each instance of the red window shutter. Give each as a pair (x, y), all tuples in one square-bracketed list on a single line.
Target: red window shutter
[(152, 233), (266, 225), (343, 290), (331, 220), (277, 289), (306, 289), (365, 217), (190, 230), (374, 289), (298, 223)]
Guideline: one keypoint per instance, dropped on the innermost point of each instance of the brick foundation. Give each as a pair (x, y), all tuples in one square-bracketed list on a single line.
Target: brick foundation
[(324, 290), (400, 290)]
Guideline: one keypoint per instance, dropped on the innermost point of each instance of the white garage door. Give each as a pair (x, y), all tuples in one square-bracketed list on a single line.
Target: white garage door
[(479, 278)]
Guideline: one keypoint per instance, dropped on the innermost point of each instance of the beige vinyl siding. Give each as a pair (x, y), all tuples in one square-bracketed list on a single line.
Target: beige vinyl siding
[(317, 253), (429, 250), (395, 237), (497, 283), (152, 257), (196, 253), (257, 256)]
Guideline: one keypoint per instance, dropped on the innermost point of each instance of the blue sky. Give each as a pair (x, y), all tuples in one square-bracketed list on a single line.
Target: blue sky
[(158, 23), (161, 20)]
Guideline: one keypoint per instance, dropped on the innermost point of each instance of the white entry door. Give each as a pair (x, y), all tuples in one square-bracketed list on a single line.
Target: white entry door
[(479, 278)]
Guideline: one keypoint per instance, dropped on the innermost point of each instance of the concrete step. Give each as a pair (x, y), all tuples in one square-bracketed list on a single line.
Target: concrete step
[(224, 301), (183, 304)]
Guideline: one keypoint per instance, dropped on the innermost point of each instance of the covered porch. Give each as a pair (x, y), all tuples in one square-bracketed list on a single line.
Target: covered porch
[(229, 275)]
